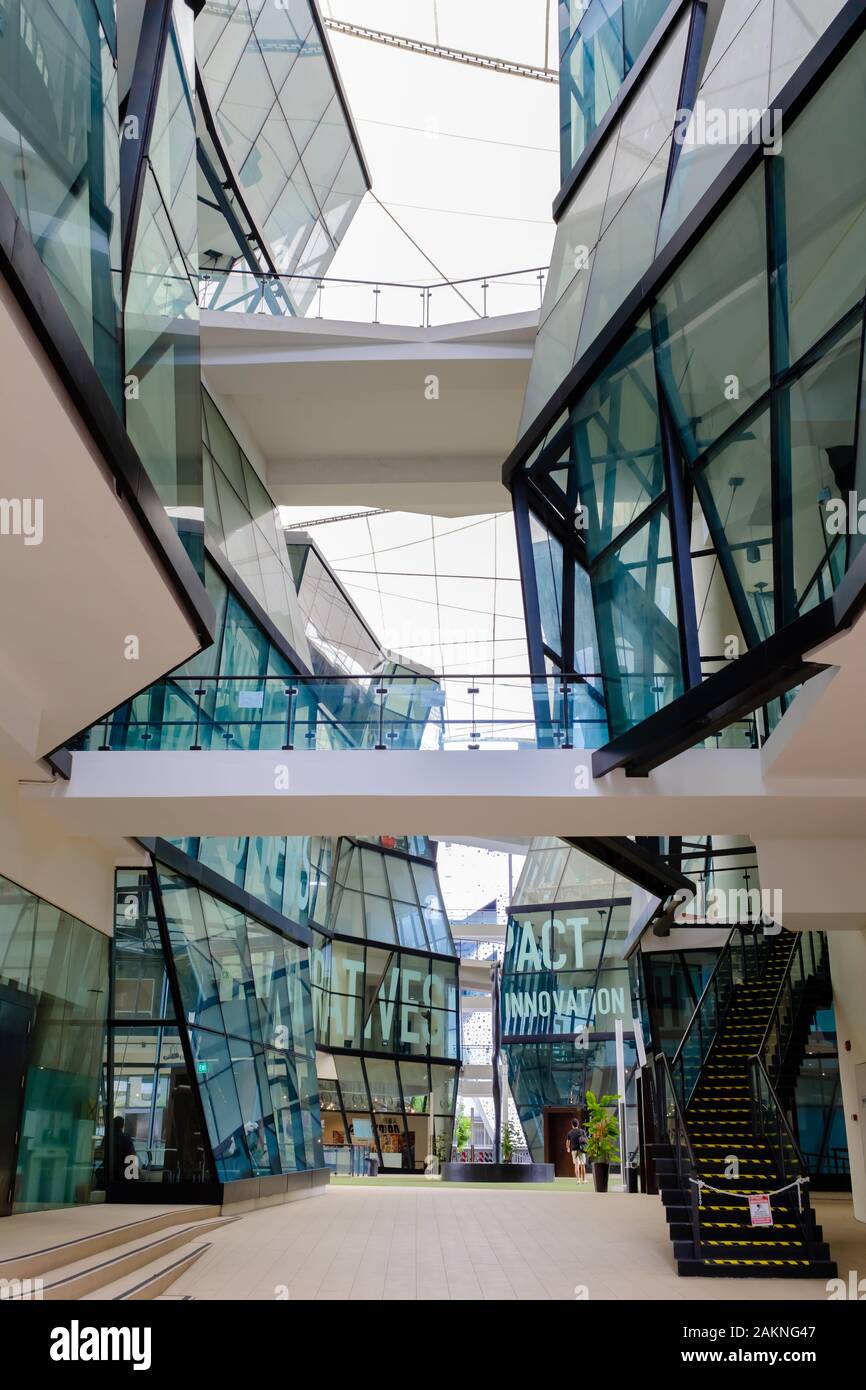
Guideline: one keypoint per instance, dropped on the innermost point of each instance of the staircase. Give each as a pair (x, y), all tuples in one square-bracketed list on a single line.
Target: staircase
[(718, 1099), (134, 1260)]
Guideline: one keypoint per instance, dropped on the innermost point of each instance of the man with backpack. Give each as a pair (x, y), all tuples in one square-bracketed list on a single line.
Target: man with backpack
[(575, 1143)]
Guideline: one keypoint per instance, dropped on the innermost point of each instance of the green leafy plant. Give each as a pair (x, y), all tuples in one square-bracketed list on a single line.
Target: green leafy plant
[(509, 1140), (602, 1127), (463, 1130)]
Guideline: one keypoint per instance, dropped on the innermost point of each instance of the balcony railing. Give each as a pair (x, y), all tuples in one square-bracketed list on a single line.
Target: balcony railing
[(395, 711), (374, 301)]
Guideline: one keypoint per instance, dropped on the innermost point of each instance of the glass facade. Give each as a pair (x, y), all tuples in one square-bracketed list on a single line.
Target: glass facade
[(162, 383), (565, 984), (53, 1015), (59, 159), (227, 1036), (242, 520), (600, 42), (244, 691), (388, 1016), (223, 1081), (818, 1107), (340, 641), (286, 145), (694, 481)]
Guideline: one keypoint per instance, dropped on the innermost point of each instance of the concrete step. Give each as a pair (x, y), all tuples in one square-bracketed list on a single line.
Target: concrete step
[(92, 1274), (33, 1263), (150, 1281)]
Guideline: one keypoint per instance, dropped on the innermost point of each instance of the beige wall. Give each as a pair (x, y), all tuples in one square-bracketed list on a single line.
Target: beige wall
[(74, 874)]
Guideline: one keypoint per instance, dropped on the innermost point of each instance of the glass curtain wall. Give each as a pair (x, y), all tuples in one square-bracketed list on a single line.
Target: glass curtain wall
[(698, 479), (565, 984), (238, 1064), (53, 1015), (59, 159), (163, 376), (386, 1016), (817, 1106), (600, 42), (286, 144), (389, 1020)]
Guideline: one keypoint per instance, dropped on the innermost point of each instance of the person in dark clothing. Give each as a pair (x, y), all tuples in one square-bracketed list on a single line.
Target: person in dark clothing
[(575, 1143), (122, 1149)]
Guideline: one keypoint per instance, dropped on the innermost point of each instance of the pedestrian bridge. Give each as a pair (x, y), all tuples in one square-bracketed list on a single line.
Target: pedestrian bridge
[(174, 793)]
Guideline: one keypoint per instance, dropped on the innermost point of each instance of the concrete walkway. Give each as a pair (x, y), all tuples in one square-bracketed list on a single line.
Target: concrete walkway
[(438, 1242)]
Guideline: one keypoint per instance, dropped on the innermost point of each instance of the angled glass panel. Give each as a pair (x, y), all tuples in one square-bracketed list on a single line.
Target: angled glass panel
[(736, 488), (547, 556), (59, 165), (711, 324), (823, 411), (285, 1103), (196, 973), (733, 95), (636, 614), (617, 443), (825, 205), (215, 1075), (633, 199), (140, 979)]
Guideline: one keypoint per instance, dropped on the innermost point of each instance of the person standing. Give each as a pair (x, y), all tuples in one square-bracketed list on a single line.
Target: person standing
[(575, 1143)]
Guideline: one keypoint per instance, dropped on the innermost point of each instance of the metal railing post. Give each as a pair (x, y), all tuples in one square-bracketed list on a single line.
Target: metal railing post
[(290, 691), (195, 747), (381, 691)]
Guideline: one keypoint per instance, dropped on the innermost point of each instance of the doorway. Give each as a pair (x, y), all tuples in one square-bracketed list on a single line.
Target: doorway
[(557, 1123)]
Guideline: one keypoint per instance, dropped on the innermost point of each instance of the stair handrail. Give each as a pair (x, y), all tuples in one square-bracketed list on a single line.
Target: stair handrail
[(726, 950), (756, 1069), (757, 1064), (795, 945), (686, 1177), (784, 983), (726, 954)]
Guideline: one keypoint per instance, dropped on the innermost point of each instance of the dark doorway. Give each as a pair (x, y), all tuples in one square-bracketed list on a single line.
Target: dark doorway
[(557, 1123), (16, 1021)]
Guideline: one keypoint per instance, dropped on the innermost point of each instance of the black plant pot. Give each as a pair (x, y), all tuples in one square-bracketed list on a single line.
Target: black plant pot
[(600, 1175)]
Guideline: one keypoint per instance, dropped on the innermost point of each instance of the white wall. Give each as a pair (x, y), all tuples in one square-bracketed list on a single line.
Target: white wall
[(848, 971)]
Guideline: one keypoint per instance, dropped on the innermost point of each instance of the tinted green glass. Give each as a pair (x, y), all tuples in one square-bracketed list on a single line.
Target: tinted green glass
[(59, 162), (54, 986)]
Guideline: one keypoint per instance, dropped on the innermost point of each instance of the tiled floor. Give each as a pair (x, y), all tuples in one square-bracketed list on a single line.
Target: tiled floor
[(466, 1243)]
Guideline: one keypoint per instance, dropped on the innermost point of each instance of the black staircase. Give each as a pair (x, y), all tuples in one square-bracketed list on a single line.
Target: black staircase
[(723, 1096)]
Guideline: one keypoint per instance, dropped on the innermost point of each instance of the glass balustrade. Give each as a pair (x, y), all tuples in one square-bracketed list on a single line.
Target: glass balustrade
[(408, 712)]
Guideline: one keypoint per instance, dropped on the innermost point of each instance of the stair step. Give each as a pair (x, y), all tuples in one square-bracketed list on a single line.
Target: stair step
[(757, 1269), (84, 1276), (151, 1280), (719, 1122), (52, 1257)]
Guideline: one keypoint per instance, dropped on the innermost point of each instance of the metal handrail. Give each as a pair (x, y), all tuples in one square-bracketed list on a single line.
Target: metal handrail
[(662, 1058), (803, 1208), (208, 272), (785, 985), (707, 987), (685, 1178), (795, 946), (756, 1063)]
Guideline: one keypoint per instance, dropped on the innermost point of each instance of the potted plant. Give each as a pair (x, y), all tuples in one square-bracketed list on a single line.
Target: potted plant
[(602, 1129)]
